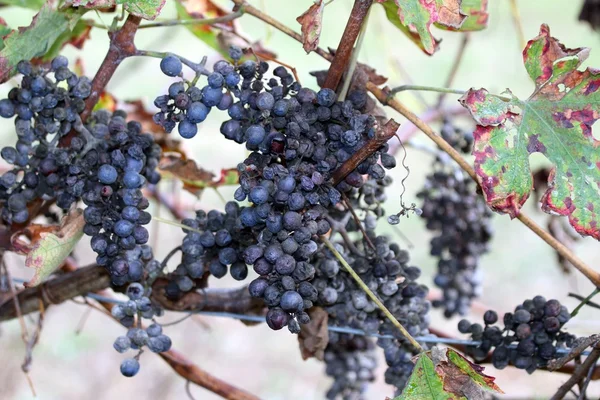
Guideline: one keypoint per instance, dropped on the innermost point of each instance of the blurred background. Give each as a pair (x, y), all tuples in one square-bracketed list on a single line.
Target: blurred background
[(74, 358)]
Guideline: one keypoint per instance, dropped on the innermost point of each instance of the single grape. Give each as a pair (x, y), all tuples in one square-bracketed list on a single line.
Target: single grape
[(171, 65)]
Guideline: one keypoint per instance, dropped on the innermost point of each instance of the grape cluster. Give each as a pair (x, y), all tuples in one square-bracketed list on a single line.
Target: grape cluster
[(152, 337), (106, 162), (351, 362), (103, 162), (111, 175), (461, 220), (298, 138), (529, 339), (214, 240), (45, 110), (388, 275)]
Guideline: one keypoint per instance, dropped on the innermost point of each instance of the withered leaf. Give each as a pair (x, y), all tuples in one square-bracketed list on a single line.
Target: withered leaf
[(314, 336), (195, 179), (312, 21)]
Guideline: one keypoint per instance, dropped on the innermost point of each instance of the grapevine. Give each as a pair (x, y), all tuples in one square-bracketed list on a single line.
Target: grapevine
[(303, 238)]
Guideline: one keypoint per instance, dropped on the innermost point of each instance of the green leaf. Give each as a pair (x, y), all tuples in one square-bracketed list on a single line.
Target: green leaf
[(477, 16), (556, 120), (424, 383), (146, 9), (444, 374), (34, 40), (203, 32), (49, 252), (4, 30), (76, 37), (31, 4), (415, 17)]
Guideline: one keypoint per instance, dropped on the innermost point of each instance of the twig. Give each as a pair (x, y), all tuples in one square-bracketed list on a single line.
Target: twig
[(579, 373), (193, 373), (588, 378), (278, 25), (516, 15), (407, 129), (339, 227), (17, 304), (382, 96), (584, 301), (384, 134), (95, 278), (455, 65), (205, 21), (358, 221), (422, 88), (56, 291), (121, 47), (344, 50), (588, 302), (354, 60), (371, 295), (576, 352)]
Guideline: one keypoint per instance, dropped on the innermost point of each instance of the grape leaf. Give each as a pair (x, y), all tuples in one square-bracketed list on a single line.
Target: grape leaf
[(556, 120), (195, 179), (75, 37), (444, 374), (312, 22), (4, 30), (424, 383), (477, 16), (49, 250), (34, 40), (146, 9), (415, 17), (32, 4)]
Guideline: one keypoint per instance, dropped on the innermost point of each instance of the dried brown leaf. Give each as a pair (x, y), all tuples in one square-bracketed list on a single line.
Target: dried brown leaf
[(195, 178), (312, 22), (314, 336)]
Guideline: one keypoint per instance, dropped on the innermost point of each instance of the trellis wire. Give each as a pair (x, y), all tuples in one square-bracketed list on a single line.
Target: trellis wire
[(340, 329)]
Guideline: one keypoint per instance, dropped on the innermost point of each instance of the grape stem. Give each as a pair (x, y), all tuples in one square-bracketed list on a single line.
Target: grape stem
[(198, 68), (372, 295), (436, 89), (584, 302)]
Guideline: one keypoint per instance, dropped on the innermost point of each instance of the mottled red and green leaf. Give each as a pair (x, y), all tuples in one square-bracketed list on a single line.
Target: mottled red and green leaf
[(556, 120)]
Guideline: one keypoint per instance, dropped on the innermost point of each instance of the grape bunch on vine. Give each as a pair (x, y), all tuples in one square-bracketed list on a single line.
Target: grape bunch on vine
[(317, 230)]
